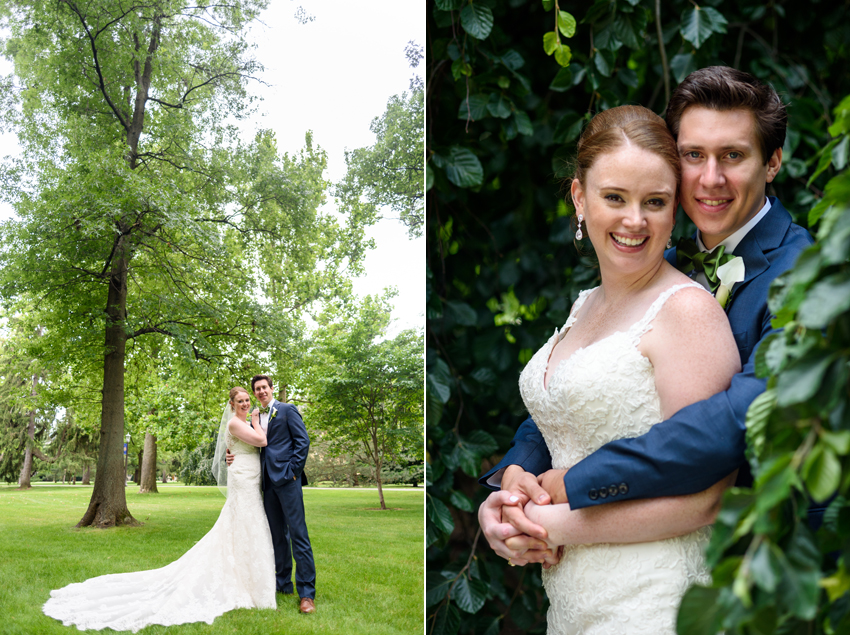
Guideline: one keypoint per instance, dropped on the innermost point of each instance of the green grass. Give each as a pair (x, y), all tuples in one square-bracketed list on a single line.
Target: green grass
[(369, 563)]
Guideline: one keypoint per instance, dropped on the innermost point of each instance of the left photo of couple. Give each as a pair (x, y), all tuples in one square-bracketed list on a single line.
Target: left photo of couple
[(211, 318)]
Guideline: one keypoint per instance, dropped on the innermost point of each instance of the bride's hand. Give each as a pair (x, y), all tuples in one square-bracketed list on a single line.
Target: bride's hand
[(537, 514)]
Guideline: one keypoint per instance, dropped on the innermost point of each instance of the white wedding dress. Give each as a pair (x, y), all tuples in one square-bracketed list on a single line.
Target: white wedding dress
[(231, 567), (603, 392)]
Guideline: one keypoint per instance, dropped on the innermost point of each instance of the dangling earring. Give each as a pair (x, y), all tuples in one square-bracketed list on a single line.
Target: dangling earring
[(579, 235), (670, 242)]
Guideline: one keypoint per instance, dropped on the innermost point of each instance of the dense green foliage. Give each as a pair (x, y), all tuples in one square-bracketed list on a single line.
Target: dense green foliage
[(389, 174), (382, 552), (364, 390), (503, 116)]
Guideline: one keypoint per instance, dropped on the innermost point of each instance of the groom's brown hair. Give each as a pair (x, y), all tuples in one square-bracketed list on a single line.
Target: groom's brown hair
[(724, 88), (257, 378)]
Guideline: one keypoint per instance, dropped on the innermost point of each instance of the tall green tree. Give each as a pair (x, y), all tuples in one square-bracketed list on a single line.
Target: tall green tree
[(510, 85), (365, 392), (391, 173), (141, 212)]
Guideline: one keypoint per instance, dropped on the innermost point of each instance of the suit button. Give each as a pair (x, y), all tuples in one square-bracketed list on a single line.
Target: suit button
[(612, 490), (593, 494), (603, 492), (624, 489)]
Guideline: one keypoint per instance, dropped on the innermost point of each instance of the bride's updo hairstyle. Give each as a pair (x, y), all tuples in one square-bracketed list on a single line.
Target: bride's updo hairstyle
[(235, 391), (612, 129)]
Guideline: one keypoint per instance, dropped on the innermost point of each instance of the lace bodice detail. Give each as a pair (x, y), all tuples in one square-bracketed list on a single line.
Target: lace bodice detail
[(238, 447), (602, 392)]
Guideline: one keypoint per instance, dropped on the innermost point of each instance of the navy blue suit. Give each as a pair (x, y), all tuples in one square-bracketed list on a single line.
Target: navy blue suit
[(283, 462), (705, 441)]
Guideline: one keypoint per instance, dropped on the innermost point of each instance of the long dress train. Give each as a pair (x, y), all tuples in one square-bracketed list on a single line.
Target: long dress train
[(231, 567), (602, 392)]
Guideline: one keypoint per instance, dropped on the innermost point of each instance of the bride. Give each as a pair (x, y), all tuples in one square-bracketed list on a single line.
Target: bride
[(645, 343), (231, 567)]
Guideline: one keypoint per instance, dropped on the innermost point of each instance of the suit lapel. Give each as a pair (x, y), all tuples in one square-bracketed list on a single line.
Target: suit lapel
[(766, 236)]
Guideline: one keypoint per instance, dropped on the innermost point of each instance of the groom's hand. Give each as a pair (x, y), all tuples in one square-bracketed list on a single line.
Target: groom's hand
[(553, 482), (228, 457)]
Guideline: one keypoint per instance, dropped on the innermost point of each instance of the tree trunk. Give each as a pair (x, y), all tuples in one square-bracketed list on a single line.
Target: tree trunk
[(164, 476), (108, 504), (377, 456), (148, 478), (87, 475), (26, 468)]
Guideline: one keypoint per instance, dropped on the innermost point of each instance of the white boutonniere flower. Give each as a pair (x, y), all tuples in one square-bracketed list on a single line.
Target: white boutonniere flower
[(729, 274), (272, 413)]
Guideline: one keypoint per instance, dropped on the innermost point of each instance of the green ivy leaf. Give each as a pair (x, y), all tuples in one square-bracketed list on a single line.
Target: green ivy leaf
[(463, 168), (446, 620), (462, 502), (429, 177), (683, 65), (604, 60), (698, 23), (550, 42), (463, 314), (764, 567), (563, 55), (826, 300), (824, 162), (568, 128), (440, 380), (802, 378), (477, 20), (699, 612), (840, 153), (758, 415), (839, 441), (469, 595), (436, 587), (450, 5), (523, 123), (821, 472), (440, 515), (499, 106), (460, 68), (566, 24), (475, 108), (548, 5), (563, 81)]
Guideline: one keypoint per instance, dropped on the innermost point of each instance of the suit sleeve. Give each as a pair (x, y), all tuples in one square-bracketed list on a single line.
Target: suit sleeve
[(300, 440), (686, 454), (528, 450)]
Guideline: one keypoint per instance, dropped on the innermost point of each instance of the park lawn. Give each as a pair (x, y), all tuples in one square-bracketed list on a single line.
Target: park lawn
[(369, 563)]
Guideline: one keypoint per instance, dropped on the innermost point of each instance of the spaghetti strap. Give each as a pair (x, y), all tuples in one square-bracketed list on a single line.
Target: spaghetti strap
[(639, 328)]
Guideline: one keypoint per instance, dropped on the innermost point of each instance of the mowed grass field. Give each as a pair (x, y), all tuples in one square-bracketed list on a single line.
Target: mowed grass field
[(369, 563)]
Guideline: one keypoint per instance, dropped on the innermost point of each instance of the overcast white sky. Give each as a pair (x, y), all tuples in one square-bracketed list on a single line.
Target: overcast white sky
[(333, 75)]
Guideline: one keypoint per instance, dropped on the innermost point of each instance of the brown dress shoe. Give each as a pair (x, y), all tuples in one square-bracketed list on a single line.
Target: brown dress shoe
[(307, 605)]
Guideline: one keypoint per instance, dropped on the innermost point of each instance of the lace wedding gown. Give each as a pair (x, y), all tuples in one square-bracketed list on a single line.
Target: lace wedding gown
[(231, 567), (603, 392)]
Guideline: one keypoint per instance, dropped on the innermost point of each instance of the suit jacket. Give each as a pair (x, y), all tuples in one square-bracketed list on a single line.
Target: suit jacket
[(705, 441), (284, 457)]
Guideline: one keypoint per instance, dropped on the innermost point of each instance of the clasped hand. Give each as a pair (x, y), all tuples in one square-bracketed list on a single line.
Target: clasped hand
[(504, 521)]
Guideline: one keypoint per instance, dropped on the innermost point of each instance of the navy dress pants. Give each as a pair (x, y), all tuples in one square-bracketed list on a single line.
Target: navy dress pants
[(285, 512)]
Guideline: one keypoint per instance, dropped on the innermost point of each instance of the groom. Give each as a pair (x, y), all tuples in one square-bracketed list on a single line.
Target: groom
[(282, 463), (730, 129)]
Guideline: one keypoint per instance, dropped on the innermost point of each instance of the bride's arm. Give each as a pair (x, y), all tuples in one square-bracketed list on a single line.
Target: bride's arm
[(694, 356), (252, 435), (629, 521)]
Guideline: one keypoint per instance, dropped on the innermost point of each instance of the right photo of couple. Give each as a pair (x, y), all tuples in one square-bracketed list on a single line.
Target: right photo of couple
[(576, 483)]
